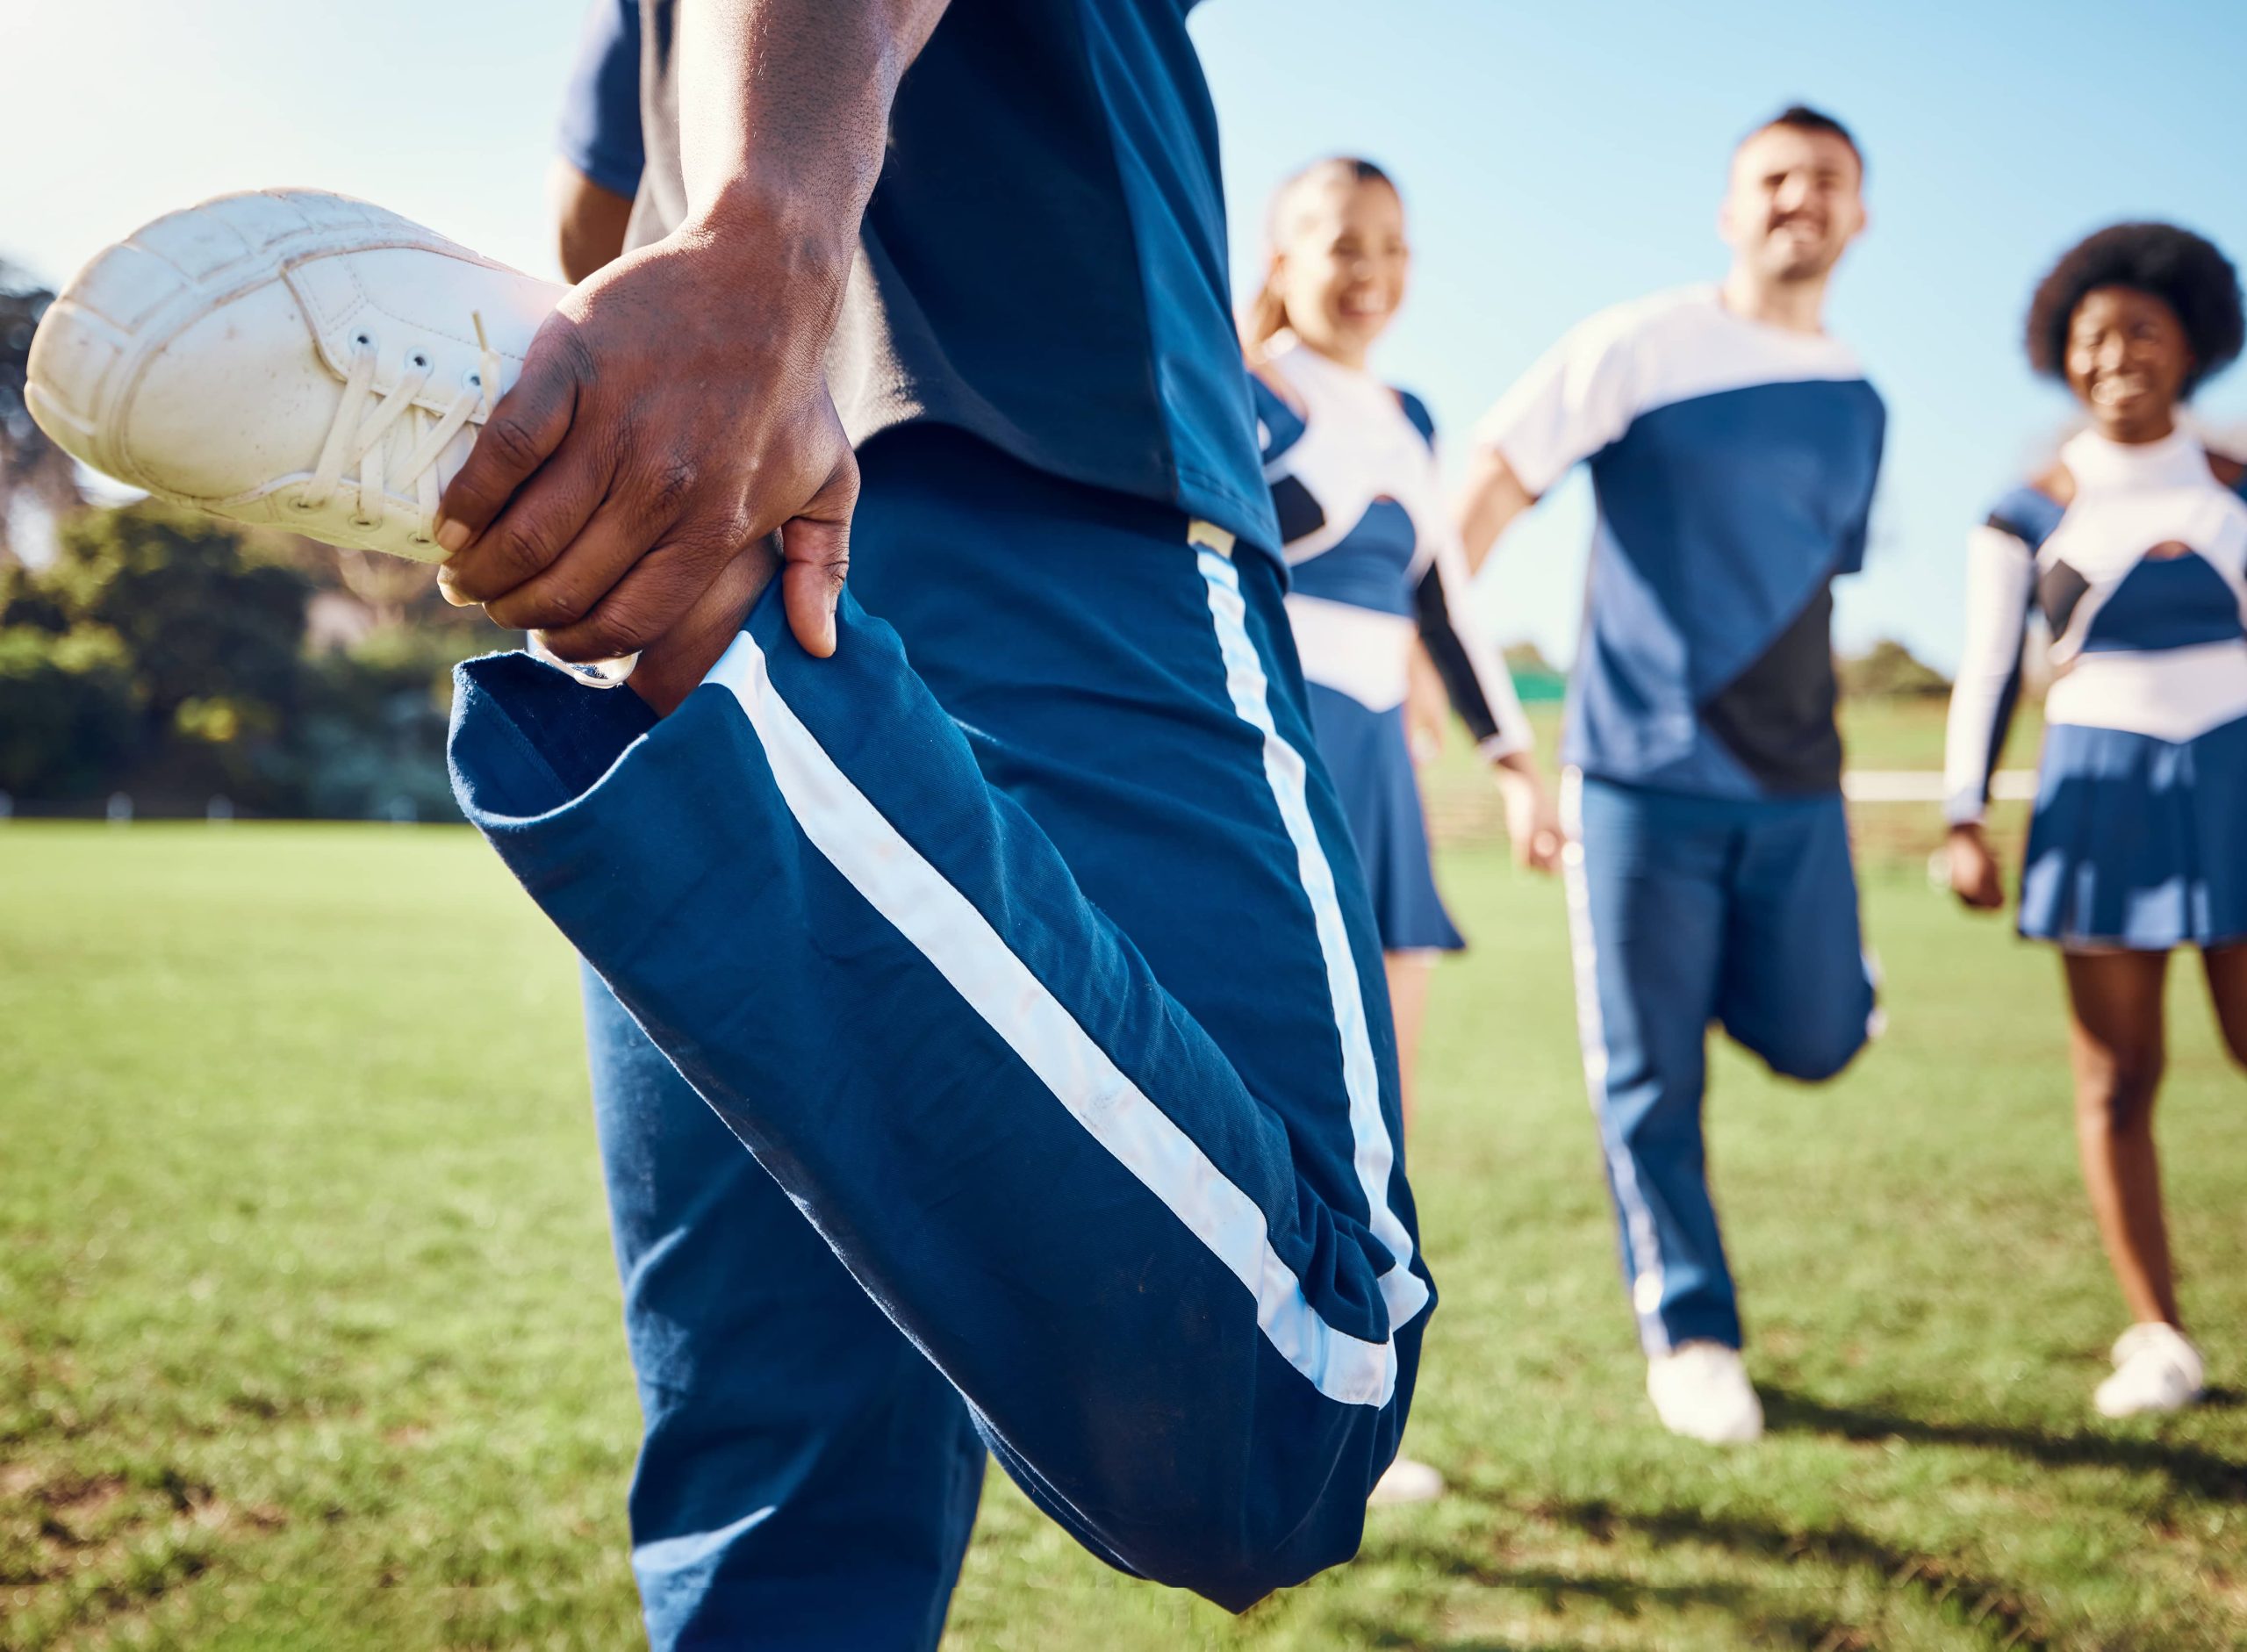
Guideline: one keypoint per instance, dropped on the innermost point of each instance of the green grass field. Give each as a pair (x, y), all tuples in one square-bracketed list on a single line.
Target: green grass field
[(309, 1333)]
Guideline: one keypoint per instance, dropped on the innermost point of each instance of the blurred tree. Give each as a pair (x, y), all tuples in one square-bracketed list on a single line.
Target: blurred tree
[(68, 719), (1888, 669), (166, 654), (155, 652), (369, 738), (389, 591), (201, 616), (33, 470), (1535, 679)]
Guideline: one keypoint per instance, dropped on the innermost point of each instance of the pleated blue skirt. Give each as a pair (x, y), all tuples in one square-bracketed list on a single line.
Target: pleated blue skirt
[(1371, 761), (2137, 842)]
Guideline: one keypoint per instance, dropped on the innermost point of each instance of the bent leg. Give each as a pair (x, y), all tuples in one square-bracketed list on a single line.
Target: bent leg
[(2116, 1043), (806, 1478), (1645, 921), (1798, 987), (1186, 1309)]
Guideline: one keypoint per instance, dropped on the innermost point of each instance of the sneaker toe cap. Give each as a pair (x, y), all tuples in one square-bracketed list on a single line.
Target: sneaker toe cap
[(236, 402)]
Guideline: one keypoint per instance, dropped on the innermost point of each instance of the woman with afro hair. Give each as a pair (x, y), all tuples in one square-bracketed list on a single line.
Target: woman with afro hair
[(2134, 548)]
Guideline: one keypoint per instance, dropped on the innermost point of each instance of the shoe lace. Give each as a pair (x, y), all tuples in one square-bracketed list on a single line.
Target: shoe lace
[(357, 453)]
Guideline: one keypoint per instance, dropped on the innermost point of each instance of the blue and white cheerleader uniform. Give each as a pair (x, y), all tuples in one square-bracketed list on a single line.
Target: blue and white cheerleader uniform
[(1373, 562), (2136, 557)]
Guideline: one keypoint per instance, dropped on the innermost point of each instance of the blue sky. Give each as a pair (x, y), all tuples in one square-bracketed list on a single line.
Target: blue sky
[(1555, 159)]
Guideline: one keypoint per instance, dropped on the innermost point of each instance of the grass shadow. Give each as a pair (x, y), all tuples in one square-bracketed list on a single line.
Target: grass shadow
[(1628, 1596), (2004, 1616), (1624, 1597), (2192, 1468)]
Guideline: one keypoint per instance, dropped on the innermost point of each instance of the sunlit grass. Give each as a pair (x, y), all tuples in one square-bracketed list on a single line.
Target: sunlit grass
[(309, 1337)]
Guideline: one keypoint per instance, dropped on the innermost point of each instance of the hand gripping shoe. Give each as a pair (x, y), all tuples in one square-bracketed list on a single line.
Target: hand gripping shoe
[(291, 359)]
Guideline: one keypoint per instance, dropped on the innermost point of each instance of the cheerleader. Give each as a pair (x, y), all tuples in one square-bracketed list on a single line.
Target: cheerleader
[(2134, 548), (1374, 567), (1374, 560)]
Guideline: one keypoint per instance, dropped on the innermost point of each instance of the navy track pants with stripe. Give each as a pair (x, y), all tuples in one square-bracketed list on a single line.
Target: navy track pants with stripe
[(1038, 972), (1687, 911)]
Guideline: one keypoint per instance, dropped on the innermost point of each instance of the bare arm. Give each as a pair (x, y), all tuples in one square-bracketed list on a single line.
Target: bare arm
[(673, 414), (1487, 505), (589, 221)]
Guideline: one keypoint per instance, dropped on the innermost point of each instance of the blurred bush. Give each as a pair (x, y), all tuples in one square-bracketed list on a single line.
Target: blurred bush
[(1889, 670), (68, 715), (169, 655), (369, 738)]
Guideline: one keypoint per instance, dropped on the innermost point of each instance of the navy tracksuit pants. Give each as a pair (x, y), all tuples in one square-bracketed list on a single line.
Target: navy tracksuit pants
[(1022, 944), (1685, 911)]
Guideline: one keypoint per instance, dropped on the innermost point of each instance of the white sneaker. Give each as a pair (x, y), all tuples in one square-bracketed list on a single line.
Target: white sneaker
[(1701, 1391), (2155, 1370), (291, 359), (1406, 1481)]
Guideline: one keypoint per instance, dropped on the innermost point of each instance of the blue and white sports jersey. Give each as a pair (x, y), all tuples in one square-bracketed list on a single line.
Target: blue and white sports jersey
[(2136, 559), (1371, 550), (1043, 261), (1733, 465)]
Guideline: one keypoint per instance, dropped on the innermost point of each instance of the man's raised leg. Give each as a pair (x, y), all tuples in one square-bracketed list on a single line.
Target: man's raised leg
[(1172, 1265)]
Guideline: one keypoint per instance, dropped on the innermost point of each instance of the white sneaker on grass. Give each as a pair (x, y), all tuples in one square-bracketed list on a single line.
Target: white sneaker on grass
[(2156, 1368), (1406, 1481), (291, 359), (1701, 1391)]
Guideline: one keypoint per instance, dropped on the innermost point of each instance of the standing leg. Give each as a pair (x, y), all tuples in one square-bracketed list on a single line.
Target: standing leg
[(2227, 972), (1647, 918), (2116, 1043), (2116, 1040), (1409, 975), (807, 1479)]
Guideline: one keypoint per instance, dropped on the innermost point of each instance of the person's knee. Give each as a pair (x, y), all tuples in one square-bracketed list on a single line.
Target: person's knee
[(1289, 1511), (1236, 1556), (2116, 1088), (1814, 1064), (1815, 1049)]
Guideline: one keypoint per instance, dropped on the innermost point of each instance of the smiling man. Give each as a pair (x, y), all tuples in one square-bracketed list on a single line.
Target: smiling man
[(1732, 446)]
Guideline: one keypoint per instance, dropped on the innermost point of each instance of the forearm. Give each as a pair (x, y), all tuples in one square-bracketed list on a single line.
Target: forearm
[(681, 393), (1493, 497), (589, 222), (783, 113), (1473, 671)]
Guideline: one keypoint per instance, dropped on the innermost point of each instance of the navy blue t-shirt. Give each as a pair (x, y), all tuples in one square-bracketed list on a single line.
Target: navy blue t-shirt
[(599, 134), (1043, 261)]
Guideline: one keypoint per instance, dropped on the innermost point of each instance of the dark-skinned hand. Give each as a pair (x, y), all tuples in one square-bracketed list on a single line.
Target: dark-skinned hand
[(670, 420), (1974, 876)]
